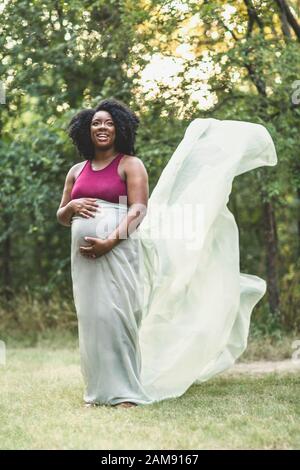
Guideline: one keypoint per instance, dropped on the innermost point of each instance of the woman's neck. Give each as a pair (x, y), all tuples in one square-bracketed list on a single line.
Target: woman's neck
[(104, 156)]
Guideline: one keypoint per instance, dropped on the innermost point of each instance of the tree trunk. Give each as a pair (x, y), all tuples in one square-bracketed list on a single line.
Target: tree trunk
[(271, 255), (288, 17)]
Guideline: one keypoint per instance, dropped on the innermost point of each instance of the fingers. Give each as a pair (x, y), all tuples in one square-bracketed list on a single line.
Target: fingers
[(87, 252), (89, 210), (92, 208), (91, 203), (91, 240), (86, 216), (86, 249), (89, 213), (89, 256)]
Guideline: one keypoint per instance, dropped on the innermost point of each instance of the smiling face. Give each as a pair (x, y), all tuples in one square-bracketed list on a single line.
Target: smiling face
[(103, 131)]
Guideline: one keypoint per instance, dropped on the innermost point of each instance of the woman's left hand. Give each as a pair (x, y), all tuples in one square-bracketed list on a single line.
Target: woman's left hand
[(98, 247)]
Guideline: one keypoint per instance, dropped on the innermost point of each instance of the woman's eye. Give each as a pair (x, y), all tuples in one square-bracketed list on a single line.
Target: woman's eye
[(97, 123)]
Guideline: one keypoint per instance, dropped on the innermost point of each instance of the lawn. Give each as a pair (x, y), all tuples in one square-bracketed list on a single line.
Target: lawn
[(41, 408)]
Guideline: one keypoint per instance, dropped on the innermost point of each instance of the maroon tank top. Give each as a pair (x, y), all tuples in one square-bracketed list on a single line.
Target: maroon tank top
[(103, 184)]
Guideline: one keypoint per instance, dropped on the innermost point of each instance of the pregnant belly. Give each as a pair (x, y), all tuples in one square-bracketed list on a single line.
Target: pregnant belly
[(99, 226)]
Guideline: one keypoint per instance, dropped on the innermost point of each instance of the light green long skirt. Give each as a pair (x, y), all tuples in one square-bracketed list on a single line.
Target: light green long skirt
[(168, 307)]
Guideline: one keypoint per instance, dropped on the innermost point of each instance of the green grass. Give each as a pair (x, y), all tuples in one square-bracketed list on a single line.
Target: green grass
[(41, 408)]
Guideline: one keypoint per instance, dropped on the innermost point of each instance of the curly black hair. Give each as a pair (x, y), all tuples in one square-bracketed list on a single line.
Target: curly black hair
[(126, 123)]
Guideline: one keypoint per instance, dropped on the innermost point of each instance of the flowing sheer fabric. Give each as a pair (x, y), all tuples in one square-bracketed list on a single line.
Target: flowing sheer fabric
[(197, 304), (168, 307)]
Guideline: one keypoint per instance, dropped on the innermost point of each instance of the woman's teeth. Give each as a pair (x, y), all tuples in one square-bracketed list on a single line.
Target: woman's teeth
[(101, 136)]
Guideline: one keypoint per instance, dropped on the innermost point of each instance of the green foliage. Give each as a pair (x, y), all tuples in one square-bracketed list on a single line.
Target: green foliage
[(59, 57)]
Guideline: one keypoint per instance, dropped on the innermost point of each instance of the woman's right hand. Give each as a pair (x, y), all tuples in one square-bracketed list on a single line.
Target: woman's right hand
[(85, 206)]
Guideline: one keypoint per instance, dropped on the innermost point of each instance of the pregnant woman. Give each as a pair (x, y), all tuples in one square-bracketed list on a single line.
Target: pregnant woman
[(160, 300), (105, 262)]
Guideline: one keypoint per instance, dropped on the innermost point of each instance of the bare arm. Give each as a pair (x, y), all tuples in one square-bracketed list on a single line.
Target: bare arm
[(138, 194), (85, 207), (65, 211)]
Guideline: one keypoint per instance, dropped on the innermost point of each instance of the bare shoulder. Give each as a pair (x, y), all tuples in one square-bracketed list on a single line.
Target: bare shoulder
[(131, 163), (132, 167), (76, 169)]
